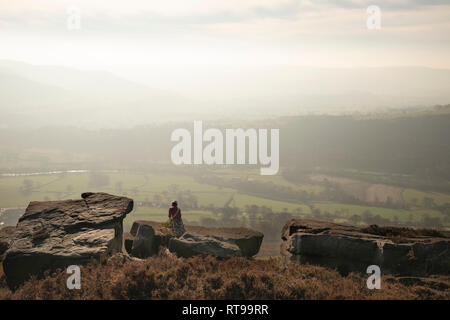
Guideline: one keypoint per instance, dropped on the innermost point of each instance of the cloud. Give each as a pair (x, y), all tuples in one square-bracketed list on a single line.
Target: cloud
[(207, 29), (20, 13)]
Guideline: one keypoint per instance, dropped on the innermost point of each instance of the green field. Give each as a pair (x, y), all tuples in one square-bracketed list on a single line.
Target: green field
[(347, 210), (161, 215), (228, 174), (241, 200), (140, 187), (410, 194), (143, 187)]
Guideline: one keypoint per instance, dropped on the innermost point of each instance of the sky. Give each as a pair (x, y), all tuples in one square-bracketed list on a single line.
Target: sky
[(116, 35)]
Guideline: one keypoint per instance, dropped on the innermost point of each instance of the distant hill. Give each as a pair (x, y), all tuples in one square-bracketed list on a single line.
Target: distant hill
[(34, 96), (83, 81), (290, 89)]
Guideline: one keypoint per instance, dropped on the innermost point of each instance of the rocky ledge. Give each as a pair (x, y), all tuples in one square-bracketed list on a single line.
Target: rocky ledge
[(6, 236), (349, 248), (146, 237), (56, 234)]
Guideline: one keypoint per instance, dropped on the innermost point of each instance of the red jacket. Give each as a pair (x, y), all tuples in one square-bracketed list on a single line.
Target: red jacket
[(175, 214)]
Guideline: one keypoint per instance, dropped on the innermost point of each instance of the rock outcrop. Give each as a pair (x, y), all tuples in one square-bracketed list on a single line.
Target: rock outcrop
[(191, 244), (348, 249), (161, 236), (220, 242), (142, 245), (56, 234), (6, 235), (127, 241)]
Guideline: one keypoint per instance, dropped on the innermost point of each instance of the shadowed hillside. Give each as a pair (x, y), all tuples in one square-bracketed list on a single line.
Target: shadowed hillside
[(167, 277)]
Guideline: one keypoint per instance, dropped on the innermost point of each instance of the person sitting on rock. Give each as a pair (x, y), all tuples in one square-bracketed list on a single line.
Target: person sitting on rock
[(175, 219)]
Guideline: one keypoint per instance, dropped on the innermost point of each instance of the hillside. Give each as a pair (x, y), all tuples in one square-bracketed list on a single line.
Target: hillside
[(168, 277), (30, 93), (209, 263)]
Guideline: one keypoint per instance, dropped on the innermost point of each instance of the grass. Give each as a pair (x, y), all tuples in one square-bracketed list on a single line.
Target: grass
[(348, 210), (276, 179), (142, 187), (70, 186), (204, 277), (241, 200), (10, 195), (73, 184), (161, 215), (410, 194), (279, 180)]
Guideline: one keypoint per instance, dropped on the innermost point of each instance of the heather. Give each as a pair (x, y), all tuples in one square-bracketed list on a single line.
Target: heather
[(166, 276)]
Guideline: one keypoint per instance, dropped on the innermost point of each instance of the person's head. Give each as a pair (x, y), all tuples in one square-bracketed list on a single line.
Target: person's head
[(175, 203)]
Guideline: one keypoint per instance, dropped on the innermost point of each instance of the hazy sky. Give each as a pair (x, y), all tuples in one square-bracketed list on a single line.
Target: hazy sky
[(134, 33)]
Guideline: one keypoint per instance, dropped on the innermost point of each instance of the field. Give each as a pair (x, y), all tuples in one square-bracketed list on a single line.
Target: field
[(140, 187), (160, 215), (414, 197), (347, 210), (241, 200), (371, 193), (18, 191), (254, 175)]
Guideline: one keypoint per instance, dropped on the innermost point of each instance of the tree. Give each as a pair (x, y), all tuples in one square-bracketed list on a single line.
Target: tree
[(174, 189), (428, 202), (157, 199), (431, 222)]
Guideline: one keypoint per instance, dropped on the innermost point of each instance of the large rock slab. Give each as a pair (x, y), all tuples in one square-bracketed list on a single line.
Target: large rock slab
[(192, 244), (249, 241), (348, 248), (142, 246), (6, 235), (160, 237), (56, 234), (245, 240)]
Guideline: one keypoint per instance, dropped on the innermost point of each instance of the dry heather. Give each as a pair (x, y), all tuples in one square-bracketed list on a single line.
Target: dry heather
[(167, 277)]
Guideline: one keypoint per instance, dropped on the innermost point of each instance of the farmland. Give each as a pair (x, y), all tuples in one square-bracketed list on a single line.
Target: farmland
[(144, 188), (348, 210)]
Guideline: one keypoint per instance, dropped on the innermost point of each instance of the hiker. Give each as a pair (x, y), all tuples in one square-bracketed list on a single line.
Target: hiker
[(175, 219)]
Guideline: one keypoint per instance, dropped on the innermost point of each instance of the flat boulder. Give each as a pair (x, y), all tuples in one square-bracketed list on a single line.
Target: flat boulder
[(219, 242), (192, 244), (349, 248), (249, 241), (6, 235), (56, 234)]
